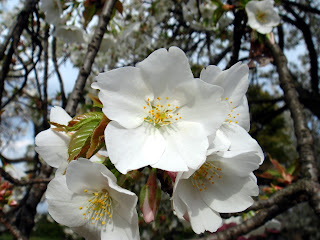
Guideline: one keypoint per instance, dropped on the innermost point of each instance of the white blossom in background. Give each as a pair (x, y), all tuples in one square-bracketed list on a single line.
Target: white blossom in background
[(70, 34), (223, 184), (52, 10), (262, 16), (161, 115), (200, 15), (88, 200)]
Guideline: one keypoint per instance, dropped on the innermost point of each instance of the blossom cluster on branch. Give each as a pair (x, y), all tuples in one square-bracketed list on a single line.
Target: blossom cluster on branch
[(159, 116), (160, 136)]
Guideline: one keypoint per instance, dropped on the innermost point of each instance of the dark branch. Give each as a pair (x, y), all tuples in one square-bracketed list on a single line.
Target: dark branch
[(304, 137), (92, 51)]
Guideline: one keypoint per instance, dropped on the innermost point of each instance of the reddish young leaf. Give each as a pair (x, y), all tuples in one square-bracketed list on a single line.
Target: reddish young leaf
[(97, 137), (96, 101), (118, 5)]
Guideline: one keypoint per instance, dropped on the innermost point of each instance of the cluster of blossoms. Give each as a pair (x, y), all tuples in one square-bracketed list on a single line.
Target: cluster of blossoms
[(161, 117)]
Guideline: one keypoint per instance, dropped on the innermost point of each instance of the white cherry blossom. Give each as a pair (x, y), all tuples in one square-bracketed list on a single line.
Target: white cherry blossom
[(262, 16), (88, 200), (70, 34), (234, 82), (161, 115), (223, 184), (52, 10)]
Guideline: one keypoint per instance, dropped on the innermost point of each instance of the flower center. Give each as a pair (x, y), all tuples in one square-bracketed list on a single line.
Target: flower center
[(161, 112), (205, 175), (99, 207), (261, 16)]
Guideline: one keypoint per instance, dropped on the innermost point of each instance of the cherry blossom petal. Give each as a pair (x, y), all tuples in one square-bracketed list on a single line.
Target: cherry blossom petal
[(186, 147), (241, 140), (123, 94), (234, 81), (241, 164), (127, 199), (218, 142), (52, 146), (59, 115), (163, 70), (202, 217), (63, 205), (130, 149), (240, 115), (121, 229), (83, 174), (229, 194), (204, 105)]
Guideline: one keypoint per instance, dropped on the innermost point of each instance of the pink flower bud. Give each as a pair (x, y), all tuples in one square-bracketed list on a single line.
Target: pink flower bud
[(150, 197), (13, 203), (172, 175)]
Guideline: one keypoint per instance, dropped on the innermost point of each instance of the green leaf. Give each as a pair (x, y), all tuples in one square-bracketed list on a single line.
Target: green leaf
[(78, 121), (80, 140)]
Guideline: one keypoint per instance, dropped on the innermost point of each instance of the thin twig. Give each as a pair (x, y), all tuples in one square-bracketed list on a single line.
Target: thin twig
[(56, 68), (18, 182)]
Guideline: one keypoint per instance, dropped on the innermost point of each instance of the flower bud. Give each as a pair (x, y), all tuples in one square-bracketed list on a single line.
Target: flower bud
[(150, 196)]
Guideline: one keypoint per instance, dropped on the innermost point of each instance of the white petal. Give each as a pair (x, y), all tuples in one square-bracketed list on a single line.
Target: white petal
[(229, 194), (130, 149), (240, 114), (187, 144), (163, 70), (234, 81), (202, 217), (238, 165), (123, 94), (89, 231), (59, 115), (218, 142), (264, 29), (241, 140), (204, 105), (62, 168), (63, 205), (121, 229), (179, 206), (83, 174), (127, 201), (52, 146)]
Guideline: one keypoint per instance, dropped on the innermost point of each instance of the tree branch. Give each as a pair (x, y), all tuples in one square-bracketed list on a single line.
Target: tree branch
[(238, 30), (304, 137), (13, 230), (56, 68), (92, 51), (17, 27), (307, 35), (17, 182)]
